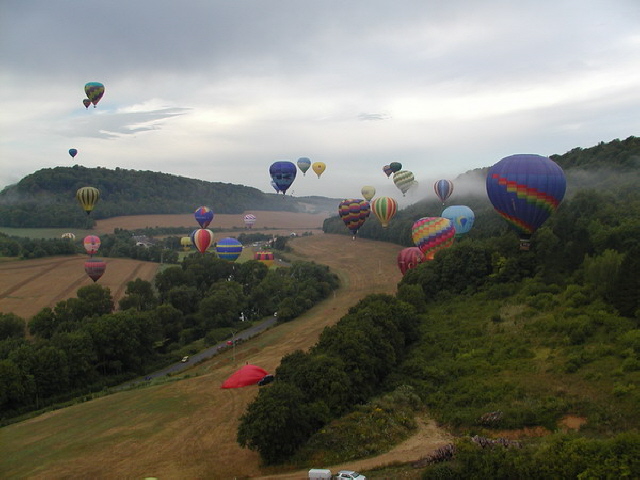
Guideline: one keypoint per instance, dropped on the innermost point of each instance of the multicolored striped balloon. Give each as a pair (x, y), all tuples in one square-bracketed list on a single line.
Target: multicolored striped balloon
[(91, 244), (202, 239), (403, 180), (94, 91), (95, 268), (409, 258), (384, 208), (354, 212), (249, 220), (265, 257), (431, 234), (229, 248), (525, 190), (443, 189)]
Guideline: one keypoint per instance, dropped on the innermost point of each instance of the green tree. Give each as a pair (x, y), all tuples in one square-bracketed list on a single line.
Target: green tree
[(11, 326), (139, 296)]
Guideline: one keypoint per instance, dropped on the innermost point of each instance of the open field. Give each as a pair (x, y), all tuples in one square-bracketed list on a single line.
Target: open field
[(28, 286), (187, 429)]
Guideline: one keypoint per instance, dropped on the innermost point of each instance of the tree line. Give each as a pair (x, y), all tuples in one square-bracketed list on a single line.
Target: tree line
[(84, 344)]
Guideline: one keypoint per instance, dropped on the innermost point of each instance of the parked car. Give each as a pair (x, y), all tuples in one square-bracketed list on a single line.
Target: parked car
[(185, 359), (350, 474)]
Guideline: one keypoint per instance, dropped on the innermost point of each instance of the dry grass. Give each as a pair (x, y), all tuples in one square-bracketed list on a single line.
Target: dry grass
[(187, 429)]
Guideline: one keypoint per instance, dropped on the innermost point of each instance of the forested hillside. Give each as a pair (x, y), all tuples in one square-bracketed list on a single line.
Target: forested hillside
[(46, 198)]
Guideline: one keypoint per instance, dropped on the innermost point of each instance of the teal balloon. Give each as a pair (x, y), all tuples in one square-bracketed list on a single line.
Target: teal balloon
[(461, 216)]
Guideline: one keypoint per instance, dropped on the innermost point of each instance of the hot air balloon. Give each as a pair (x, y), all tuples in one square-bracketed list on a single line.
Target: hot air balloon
[(228, 249), (409, 258), (186, 243), (265, 257), (525, 189), (319, 168), (387, 170), (384, 208), (95, 268), (395, 166), (203, 215), (431, 234), (303, 164), (403, 180), (94, 91), (249, 220), (461, 216), (68, 236), (368, 192), (202, 239), (283, 173), (86, 102), (91, 244), (88, 196), (354, 212), (443, 189), (73, 152), (247, 375)]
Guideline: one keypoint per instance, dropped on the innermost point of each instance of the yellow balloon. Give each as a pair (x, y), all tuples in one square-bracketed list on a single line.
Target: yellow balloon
[(318, 167), (88, 196), (368, 192)]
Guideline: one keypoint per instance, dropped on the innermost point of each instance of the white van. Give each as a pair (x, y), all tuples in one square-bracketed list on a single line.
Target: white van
[(319, 474)]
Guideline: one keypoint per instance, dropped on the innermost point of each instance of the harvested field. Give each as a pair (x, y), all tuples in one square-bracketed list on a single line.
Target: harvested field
[(187, 429), (28, 286), (285, 221)]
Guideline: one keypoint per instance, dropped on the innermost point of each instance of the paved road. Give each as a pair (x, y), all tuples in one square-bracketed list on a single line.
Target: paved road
[(207, 353)]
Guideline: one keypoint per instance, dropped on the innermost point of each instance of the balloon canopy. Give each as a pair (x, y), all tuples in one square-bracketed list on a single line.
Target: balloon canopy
[(395, 166), (73, 152), (86, 102), (431, 234), (409, 258), (443, 189), (283, 173), (461, 216), (228, 248), (387, 170), (95, 268), (91, 244), (304, 164), (249, 220), (354, 212), (88, 196), (94, 91), (203, 215), (403, 179), (202, 239), (265, 257), (247, 375), (525, 190), (319, 168), (384, 208), (368, 192)]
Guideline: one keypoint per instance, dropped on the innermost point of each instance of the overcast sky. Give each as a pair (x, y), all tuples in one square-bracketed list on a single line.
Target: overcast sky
[(220, 89)]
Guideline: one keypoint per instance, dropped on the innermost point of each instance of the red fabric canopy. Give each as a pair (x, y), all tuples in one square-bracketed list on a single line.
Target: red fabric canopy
[(247, 375)]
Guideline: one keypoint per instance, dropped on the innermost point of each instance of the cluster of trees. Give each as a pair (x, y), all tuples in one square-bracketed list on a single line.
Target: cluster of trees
[(83, 344), (346, 367)]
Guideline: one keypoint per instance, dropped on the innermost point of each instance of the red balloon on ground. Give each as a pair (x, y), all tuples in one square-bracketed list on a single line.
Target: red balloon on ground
[(247, 375)]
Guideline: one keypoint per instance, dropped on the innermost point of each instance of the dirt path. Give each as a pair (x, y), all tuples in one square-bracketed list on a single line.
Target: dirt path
[(187, 429)]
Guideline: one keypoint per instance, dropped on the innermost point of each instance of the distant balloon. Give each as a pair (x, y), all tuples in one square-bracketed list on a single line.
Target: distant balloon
[(387, 170), (203, 215), (303, 164), (88, 196), (403, 179), (228, 249), (249, 220), (91, 244), (395, 166), (68, 236), (368, 192), (461, 216), (283, 173), (73, 152), (431, 234), (354, 212), (265, 257), (202, 239), (86, 102), (94, 91), (385, 209), (186, 243), (247, 375), (319, 168), (95, 268), (443, 189), (409, 258), (525, 190)]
